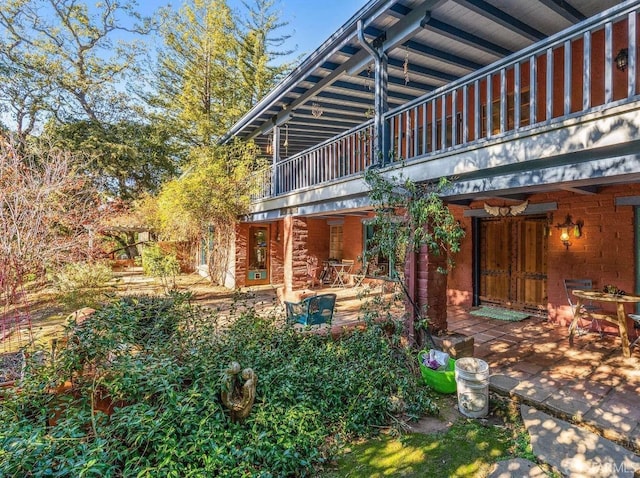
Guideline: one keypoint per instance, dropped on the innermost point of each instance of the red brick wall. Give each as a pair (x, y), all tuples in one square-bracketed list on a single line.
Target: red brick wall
[(352, 237), (242, 239), (276, 251), (605, 253), (460, 285), (318, 239)]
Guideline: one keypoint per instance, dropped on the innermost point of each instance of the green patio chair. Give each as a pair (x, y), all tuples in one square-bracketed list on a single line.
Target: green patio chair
[(312, 310)]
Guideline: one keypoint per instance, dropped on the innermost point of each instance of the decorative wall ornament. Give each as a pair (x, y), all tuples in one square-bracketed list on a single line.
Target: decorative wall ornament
[(316, 109), (506, 210)]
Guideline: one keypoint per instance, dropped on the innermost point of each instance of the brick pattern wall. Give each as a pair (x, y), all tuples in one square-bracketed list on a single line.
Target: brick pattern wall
[(605, 253), (242, 239)]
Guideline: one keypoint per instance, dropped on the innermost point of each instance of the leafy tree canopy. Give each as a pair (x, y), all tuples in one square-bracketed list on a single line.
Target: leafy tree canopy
[(59, 57), (215, 189), (126, 159)]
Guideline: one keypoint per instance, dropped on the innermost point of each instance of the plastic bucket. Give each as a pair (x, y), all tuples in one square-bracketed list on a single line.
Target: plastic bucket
[(443, 381), (472, 380)]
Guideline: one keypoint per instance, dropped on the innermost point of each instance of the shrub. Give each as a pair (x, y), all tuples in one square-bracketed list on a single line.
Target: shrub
[(160, 264), (162, 360), (78, 282)]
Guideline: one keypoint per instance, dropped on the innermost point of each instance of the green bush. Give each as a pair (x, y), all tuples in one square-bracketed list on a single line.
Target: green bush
[(162, 361), (78, 282), (160, 264)]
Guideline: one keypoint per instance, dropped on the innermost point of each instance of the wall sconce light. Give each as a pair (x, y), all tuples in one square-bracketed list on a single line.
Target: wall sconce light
[(622, 59), (569, 227)]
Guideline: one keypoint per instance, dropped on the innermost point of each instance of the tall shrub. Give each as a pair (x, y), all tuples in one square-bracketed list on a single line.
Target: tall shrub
[(408, 217), (161, 264)]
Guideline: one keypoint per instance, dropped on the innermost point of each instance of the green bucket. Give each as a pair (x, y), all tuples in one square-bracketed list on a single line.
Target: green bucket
[(443, 381)]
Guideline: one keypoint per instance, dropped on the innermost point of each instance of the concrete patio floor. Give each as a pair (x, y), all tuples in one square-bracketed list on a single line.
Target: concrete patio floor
[(590, 383)]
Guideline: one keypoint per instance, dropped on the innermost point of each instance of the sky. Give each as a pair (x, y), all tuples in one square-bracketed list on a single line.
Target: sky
[(311, 22)]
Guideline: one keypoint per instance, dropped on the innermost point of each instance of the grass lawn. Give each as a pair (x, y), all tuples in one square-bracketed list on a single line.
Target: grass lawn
[(468, 448)]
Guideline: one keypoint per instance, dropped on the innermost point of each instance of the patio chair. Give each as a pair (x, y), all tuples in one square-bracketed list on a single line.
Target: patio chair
[(636, 325), (586, 309), (312, 310), (312, 272)]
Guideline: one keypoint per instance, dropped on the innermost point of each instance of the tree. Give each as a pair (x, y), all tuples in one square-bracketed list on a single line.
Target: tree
[(259, 48), (194, 86), (410, 217), (59, 57), (214, 67), (214, 191), (126, 159), (47, 214)]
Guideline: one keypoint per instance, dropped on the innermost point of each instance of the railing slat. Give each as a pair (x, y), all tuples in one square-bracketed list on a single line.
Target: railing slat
[(517, 99), (489, 106), (549, 86), (586, 71), (608, 63), (567, 77), (503, 100), (631, 72)]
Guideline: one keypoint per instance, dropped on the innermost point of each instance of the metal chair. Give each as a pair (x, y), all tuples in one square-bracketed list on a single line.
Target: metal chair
[(586, 309), (312, 310), (636, 325)]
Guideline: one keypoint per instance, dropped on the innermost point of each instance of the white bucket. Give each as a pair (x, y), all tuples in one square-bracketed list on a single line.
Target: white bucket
[(472, 382)]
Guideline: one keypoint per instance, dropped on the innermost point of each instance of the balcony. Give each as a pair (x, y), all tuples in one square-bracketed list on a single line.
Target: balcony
[(562, 102)]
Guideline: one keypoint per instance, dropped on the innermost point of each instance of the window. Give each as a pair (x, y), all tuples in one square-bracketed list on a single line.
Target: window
[(510, 120), (335, 242)]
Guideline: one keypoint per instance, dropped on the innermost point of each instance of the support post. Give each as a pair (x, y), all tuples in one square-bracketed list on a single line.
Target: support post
[(380, 128)]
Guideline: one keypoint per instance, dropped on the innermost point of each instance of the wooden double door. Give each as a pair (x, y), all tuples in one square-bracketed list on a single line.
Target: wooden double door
[(512, 262)]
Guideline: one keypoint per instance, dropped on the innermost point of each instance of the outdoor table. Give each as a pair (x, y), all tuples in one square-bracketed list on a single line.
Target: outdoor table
[(620, 319), (340, 269)]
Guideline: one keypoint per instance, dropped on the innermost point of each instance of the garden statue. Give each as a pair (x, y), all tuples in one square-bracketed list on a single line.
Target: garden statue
[(238, 397)]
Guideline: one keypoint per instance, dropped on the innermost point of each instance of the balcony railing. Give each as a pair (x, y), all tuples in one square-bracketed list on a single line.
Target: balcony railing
[(566, 75)]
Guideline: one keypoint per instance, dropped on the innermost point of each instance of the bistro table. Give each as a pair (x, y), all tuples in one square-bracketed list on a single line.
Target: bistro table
[(340, 271), (620, 319)]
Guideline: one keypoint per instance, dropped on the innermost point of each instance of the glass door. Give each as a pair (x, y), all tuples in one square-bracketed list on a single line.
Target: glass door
[(258, 269)]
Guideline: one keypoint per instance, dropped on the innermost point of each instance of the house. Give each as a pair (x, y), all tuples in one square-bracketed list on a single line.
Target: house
[(531, 106)]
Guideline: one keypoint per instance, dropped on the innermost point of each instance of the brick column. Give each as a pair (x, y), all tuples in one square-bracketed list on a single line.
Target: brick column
[(432, 288), (300, 251), (296, 236), (427, 287), (287, 247)]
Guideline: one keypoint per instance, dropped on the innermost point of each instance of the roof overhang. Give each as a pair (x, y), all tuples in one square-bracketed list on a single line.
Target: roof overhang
[(429, 44)]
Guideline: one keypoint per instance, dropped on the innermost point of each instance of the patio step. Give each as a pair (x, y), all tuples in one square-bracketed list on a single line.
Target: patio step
[(574, 451), (607, 419)]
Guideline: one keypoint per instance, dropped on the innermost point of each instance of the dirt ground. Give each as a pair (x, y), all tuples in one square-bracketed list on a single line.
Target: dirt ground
[(41, 315)]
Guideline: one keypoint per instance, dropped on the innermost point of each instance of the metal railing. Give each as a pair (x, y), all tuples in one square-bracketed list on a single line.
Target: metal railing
[(568, 74)]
